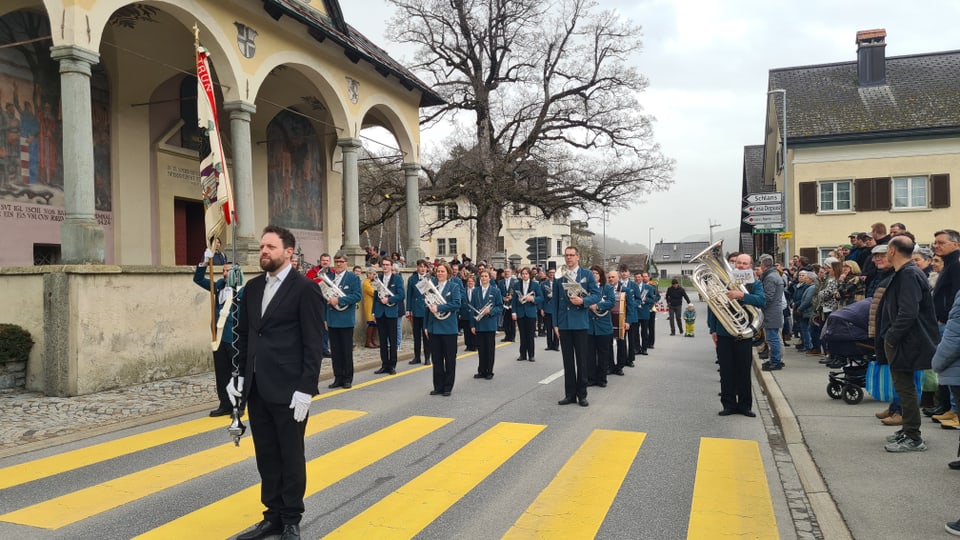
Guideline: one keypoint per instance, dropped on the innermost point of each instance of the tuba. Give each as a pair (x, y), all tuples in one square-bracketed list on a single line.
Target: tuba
[(712, 279)]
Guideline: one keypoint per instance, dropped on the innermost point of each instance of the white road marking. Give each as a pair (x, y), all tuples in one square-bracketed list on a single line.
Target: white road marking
[(552, 378)]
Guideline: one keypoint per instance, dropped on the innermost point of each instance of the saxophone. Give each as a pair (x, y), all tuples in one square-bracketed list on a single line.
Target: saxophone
[(712, 279)]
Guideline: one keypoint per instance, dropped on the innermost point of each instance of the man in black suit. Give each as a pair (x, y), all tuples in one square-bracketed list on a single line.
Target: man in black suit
[(280, 353)]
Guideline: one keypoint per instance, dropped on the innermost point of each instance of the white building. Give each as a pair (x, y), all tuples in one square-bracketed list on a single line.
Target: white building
[(673, 259), (520, 223)]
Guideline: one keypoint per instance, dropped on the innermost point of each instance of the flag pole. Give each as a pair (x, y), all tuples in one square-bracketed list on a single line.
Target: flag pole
[(209, 241)]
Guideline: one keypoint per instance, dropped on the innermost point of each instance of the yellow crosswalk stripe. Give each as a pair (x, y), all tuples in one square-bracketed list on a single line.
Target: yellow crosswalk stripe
[(577, 500), (79, 505), (424, 498), (730, 495), (232, 514)]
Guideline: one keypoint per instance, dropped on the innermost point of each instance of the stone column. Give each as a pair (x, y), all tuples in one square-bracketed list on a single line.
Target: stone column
[(81, 237), (411, 172), (351, 200), (246, 240)]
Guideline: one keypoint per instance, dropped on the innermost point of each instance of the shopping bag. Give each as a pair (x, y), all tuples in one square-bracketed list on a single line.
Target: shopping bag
[(880, 385)]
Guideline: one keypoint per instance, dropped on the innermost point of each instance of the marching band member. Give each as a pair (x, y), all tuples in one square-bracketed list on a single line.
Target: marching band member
[(526, 294), (416, 311), (442, 332), (322, 267), (622, 287), (386, 310), (546, 310), (506, 289), (571, 324), (634, 296), (648, 297), (487, 305), (340, 320), (600, 332), (466, 314)]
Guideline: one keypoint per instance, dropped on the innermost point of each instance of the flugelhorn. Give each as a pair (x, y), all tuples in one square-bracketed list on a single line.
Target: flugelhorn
[(480, 313), (382, 290), (712, 279), (329, 289), (432, 297)]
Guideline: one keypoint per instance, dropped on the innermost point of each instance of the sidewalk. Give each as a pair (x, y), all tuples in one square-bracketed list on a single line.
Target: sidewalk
[(856, 488), (30, 420)]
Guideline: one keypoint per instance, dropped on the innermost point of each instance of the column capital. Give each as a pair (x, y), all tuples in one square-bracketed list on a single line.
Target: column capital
[(349, 144), (411, 168), (239, 106), (74, 59)]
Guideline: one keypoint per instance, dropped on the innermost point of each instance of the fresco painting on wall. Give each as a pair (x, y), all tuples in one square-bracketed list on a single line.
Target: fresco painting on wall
[(295, 178), (31, 129)]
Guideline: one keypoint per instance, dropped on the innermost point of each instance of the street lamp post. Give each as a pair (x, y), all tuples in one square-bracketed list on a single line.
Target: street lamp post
[(649, 247), (783, 161)]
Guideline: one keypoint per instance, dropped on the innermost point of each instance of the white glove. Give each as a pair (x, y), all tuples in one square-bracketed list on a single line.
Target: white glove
[(234, 393), (207, 255), (300, 405)]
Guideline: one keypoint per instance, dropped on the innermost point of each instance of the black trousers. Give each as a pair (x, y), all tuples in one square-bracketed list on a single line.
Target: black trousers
[(387, 328), (652, 334), (526, 329), (341, 349), (735, 356), (419, 339), (278, 443), (552, 342), (573, 348), (468, 337), (509, 325), (486, 350), (634, 339), (444, 350), (600, 351), (624, 355), (222, 370), (646, 334)]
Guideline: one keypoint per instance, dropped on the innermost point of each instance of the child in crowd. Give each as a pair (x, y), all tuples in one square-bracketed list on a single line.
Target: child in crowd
[(689, 320)]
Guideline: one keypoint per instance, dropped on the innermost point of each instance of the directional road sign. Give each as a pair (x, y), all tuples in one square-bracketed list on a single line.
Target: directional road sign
[(758, 198), (776, 208), (763, 218), (771, 228)]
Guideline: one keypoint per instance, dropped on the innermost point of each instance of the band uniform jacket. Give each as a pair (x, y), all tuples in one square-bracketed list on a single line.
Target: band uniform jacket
[(281, 348), (601, 323), (546, 304), (646, 302), (526, 310), (414, 300), (392, 308), (632, 302), (353, 289), (489, 321), (506, 290), (452, 293), (465, 312), (566, 315)]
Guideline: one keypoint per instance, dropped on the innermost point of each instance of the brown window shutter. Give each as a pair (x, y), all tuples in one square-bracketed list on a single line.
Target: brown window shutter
[(812, 254), (881, 194), (940, 191), (808, 197), (863, 194)]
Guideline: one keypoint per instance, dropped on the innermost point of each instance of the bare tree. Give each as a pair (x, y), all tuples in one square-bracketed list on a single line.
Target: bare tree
[(553, 97)]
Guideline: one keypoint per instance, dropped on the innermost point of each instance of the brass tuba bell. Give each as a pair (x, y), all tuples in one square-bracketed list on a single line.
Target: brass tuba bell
[(712, 279)]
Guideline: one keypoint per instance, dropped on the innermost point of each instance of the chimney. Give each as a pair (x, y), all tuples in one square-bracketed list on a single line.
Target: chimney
[(871, 57)]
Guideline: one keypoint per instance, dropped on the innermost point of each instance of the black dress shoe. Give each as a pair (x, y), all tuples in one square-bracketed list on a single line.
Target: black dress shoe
[(618, 372), (584, 402), (602, 384), (346, 385), (521, 359), (414, 361), (426, 362), (335, 384), (478, 376), (220, 412), (748, 413), (392, 371), (532, 360), (380, 371), (435, 392), (955, 465), (567, 401), (488, 376), (291, 532), (650, 347), (726, 412), (630, 364), (446, 394), (644, 352), (263, 529)]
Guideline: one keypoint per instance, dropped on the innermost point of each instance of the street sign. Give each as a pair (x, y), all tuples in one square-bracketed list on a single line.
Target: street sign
[(763, 218), (757, 198), (776, 208), (787, 235), (771, 228)]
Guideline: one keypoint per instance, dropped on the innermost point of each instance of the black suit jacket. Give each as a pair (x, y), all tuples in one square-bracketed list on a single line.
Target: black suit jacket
[(282, 348)]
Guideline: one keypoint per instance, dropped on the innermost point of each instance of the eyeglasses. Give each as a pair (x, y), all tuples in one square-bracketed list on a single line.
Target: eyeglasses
[(340, 261), (942, 242)]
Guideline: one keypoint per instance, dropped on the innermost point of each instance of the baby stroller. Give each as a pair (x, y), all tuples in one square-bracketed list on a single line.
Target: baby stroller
[(845, 336)]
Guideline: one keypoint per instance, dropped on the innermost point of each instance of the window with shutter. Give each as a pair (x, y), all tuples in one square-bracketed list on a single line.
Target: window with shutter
[(810, 254), (871, 194), (808, 197), (939, 191)]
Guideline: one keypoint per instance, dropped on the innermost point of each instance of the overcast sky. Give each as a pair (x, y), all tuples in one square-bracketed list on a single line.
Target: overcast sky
[(707, 63)]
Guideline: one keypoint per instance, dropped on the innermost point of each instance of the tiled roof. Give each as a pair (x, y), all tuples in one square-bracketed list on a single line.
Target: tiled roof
[(356, 46), (921, 95), (675, 252), (753, 169)]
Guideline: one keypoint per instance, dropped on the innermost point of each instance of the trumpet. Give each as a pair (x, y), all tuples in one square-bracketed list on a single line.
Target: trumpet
[(383, 291), (329, 289), (432, 297), (482, 312)]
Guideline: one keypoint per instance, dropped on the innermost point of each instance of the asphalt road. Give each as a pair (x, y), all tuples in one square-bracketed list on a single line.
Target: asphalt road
[(497, 458)]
